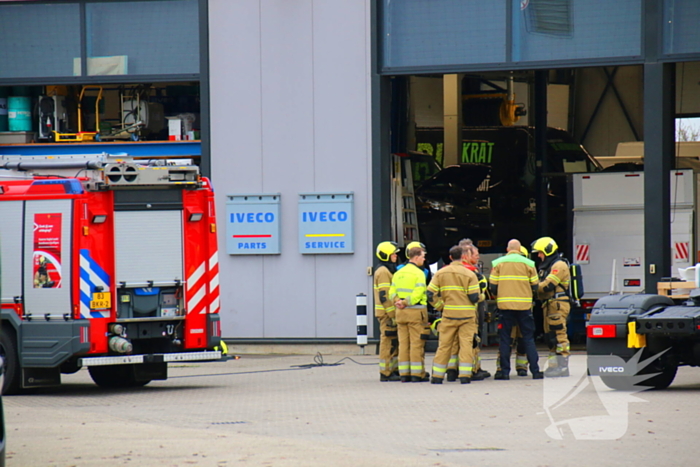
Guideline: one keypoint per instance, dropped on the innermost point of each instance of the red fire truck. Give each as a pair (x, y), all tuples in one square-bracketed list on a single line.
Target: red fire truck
[(107, 263)]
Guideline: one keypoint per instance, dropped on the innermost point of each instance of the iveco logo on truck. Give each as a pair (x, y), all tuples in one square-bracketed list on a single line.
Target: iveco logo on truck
[(611, 369)]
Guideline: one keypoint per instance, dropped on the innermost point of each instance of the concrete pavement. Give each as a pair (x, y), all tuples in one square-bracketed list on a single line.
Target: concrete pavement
[(269, 410)]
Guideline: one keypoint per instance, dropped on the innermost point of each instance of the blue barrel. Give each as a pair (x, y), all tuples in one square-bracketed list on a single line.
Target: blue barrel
[(19, 113)]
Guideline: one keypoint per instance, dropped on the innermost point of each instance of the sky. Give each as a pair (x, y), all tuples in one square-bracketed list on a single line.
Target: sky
[(692, 124)]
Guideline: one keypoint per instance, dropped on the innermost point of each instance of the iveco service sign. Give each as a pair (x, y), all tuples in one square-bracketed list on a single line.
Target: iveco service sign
[(252, 224), (326, 223)]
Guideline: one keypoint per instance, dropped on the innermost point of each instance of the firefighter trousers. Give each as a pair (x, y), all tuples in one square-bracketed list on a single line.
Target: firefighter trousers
[(519, 345), (461, 330), (525, 321), (555, 314), (454, 350), (476, 344), (412, 324), (388, 346)]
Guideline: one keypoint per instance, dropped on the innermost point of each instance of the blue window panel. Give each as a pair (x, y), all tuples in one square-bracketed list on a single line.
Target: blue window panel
[(38, 39), (423, 33), (546, 30), (681, 31), (143, 37)]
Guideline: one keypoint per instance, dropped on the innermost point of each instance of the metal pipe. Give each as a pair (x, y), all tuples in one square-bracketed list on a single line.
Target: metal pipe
[(41, 165), (509, 88)]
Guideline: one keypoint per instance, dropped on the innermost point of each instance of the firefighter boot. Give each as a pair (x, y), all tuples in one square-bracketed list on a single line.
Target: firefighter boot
[(480, 375), (521, 372), (435, 380), (451, 375), (562, 368), (391, 377), (465, 380), (418, 379)]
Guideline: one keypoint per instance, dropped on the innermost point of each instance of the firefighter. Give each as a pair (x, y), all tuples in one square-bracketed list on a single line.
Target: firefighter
[(428, 275), (513, 282), (471, 262), (553, 290), (470, 259), (518, 343), (385, 312), (408, 294), (455, 291), (420, 245)]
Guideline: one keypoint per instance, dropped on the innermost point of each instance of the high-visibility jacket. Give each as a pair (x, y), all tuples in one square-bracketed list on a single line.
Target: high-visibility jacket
[(483, 282), (513, 281), (409, 284), (554, 282), (383, 305), (455, 291)]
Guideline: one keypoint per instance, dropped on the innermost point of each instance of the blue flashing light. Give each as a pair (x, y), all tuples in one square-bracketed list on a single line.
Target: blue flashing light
[(71, 186)]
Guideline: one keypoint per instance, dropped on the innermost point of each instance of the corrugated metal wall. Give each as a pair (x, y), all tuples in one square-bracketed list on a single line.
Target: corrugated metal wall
[(290, 113)]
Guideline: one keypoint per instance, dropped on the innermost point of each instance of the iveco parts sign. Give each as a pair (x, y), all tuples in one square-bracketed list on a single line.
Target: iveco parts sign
[(252, 224)]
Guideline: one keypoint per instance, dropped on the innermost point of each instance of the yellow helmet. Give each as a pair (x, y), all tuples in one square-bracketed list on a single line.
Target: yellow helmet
[(545, 245), (524, 252), (414, 245), (223, 347), (434, 327), (386, 249)]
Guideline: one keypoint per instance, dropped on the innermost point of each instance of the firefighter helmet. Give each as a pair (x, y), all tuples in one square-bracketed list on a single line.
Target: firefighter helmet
[(414, 245), (434, 327), (545, 245), (385, 250), (222, 347), (524, 252)]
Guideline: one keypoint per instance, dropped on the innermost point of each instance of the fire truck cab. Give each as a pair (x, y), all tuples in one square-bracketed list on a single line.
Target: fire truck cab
[(108, 263)]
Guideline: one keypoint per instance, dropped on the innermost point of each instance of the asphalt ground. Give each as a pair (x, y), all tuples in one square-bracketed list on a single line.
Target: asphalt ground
[(292, 411)]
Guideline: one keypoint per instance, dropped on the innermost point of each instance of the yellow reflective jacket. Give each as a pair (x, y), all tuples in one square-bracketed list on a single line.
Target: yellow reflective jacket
[(408, 284), (454, 290), (383, 305), (513, 280), (555, 282)]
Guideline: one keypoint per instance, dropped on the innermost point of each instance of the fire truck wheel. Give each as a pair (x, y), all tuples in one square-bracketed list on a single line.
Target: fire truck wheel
[(115, 376), (8, 350)]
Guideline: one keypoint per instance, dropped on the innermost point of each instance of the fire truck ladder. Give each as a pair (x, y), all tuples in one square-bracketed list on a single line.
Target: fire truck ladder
[(405, 217), (104, 170)]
